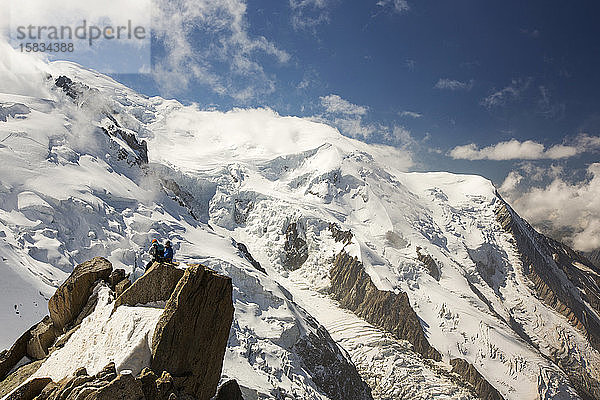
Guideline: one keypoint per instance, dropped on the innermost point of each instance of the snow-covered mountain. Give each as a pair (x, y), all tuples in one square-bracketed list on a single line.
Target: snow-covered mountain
[(427, 284)]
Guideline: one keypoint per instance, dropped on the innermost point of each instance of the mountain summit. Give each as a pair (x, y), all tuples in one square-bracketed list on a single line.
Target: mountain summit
[(351, 278)]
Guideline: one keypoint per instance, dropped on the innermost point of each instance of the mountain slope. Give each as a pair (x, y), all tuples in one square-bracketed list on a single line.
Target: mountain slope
[(96, 169)]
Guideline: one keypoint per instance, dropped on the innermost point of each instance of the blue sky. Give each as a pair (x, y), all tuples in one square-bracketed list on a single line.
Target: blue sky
[(508, 90), (448, 73)]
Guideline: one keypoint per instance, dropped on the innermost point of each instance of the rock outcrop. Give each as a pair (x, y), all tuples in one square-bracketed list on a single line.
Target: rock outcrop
[(70, 298), (157, 284), (330, 369), (557, 280), (43, 336), (353, 288), (30, 389), (191, 335), (430, 263), (34, 343), (480, 385), (230, 390), (295, 248), (187, 349)]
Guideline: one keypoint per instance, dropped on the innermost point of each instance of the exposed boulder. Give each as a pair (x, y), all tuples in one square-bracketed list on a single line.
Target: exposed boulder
[(468, 373), (353, 288), (70, 298), (191, 335), (30, 389), (157, 284), (43, 336), (230, 390)]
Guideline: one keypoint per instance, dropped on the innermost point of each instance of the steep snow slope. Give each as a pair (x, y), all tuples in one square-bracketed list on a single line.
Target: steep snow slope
[(77, 186), (74, 184)]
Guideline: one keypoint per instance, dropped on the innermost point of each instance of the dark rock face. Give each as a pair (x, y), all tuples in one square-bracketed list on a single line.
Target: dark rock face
[(246, 253), (568, 289), (191, 335), (352, 287), (157, 284), (72, 89), (230, 390), (340, 235), (30, 389), (330, 369), (295, 248), (468, 373), (70, 298), (140, 148), (430, 263)]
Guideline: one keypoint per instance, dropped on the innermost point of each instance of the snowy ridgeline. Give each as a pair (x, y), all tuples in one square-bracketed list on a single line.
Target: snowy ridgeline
[(72, 189)]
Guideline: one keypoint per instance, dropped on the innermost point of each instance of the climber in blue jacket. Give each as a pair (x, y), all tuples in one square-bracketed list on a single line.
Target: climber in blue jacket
[(168, 254)]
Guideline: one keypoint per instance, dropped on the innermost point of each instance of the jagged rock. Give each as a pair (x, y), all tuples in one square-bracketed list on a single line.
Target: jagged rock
[(339, 235), (230, 390), (329, 368), (106, 385), (191, 335), (156, 388), (70, 298), (30, 389), (352, 287), (157, 284), (430, 263), (115, 277), (295, 248), (468, 373), (43, 336), (122, 286)]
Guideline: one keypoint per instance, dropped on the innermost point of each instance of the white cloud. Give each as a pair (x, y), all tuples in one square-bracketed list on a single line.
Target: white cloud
[(308, 14), (452, 84), (527, 150), (398, 6), (503, 96), (568, 211), (334, 104), (410, 114), (198, 35)]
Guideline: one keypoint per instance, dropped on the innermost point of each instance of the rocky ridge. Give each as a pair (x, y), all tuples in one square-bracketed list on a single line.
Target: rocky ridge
[(187, 346)]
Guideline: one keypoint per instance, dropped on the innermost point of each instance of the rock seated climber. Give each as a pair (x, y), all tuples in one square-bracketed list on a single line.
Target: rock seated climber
[(168, 253), (157, 251)]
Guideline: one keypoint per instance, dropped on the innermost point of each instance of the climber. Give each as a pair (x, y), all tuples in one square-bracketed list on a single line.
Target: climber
[(168, 254), (156, 251)]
